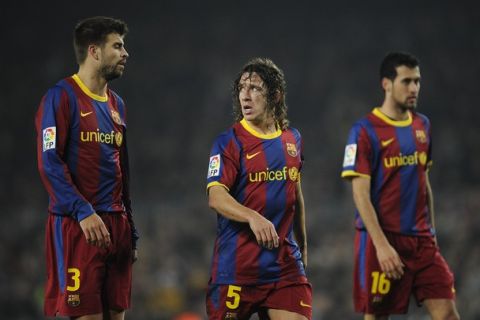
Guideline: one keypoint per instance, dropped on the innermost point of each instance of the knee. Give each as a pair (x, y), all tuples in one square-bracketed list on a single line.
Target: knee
[(452, 315)]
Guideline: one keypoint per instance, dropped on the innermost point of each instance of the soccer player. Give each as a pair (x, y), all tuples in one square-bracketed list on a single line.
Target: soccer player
[(260, 253), (387, 158), (83, 163)]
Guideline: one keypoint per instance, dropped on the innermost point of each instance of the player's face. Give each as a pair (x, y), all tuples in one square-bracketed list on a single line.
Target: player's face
[(114, 57), (253, 98), (406, 87)]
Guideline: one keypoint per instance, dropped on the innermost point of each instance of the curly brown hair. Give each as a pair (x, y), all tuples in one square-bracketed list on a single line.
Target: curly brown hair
[(274, 81)]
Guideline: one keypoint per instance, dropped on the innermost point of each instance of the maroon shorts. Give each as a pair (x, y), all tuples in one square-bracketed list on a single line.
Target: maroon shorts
[(240, 302), (84, 279), (427, 275)]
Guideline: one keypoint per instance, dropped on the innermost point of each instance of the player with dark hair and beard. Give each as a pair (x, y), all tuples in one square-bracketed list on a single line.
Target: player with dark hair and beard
[(83, 162), (387, 159)]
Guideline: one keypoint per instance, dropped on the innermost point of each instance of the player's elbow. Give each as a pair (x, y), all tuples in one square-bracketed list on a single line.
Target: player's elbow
[(213, 202)]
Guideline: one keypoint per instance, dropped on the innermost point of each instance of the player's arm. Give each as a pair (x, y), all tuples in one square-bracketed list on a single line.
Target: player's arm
[(52, 125), (388, 258), (299, 227), (223, 203), (124, 165), (430, 202)]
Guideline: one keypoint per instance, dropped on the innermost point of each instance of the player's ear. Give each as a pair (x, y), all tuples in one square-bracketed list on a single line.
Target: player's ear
[(387, 84), (93, 51)]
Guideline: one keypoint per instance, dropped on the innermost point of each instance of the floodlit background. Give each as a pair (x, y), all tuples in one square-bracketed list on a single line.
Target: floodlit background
[(184, 56)]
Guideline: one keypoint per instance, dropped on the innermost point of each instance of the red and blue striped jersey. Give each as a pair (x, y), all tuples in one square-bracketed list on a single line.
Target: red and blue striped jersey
[(396, 156), (82, 152), (261, 172)]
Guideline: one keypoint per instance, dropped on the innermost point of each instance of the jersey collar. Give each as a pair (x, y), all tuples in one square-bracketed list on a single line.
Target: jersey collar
[(87, 91), (257, 134), (395, 123)]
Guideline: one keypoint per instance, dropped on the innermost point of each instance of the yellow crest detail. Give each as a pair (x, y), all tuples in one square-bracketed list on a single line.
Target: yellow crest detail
[(116, 117), (73, 300), (291, 149), (421, 136), (119, 138), (293, 173)]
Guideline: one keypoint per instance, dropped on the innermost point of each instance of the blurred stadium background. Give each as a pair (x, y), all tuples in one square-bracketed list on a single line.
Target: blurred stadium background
[(183, 58)]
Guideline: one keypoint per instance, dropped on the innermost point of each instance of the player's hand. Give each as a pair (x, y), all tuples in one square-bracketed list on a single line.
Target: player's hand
[(264, 231), (390, 262), (134, 255), (95, 231)]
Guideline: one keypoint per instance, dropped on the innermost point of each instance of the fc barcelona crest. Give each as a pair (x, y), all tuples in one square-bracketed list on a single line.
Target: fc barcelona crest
[(73, 300), (291, 149), (421, 136), (116, 117)]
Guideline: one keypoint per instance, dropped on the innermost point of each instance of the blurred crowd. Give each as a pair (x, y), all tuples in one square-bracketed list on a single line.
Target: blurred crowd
[(177, 88)]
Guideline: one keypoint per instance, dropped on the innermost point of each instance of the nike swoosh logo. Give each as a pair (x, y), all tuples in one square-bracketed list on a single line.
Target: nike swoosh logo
[(85, 114), (303, 304), (387, 142), (251, 156)]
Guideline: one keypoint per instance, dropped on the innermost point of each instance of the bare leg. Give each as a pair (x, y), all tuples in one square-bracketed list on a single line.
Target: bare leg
[(442, 309), (97, 316), (374, 317), (276, 314)]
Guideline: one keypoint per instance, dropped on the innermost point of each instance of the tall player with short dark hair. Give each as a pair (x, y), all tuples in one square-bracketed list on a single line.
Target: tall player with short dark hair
[(260, 254), (387, 158), (83, 163)]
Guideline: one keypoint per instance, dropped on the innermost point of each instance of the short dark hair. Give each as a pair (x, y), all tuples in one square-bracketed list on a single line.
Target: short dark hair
[(388, 68), (274, 80), (95, 30)]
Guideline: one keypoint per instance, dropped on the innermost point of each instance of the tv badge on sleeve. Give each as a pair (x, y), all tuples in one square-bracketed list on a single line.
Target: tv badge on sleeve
[(49, 135), (214, 166), (350, 154)]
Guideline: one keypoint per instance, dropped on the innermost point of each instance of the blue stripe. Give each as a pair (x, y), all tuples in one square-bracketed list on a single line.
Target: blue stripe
[(408, 182), (362, 252), (297, 255), (227, 233), (107, 166), (275, 206), (58, 238), (72, 152), (52, 164), (227, 230)]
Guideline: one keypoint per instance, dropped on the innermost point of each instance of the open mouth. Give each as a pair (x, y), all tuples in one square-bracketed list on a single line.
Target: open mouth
[(247, 109)]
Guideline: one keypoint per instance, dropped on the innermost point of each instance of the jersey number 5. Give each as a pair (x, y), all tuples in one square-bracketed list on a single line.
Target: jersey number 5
[(75, 276), (380, 283), (234, 293)]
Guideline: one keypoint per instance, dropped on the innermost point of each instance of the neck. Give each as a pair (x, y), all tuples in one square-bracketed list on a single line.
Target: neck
[(263, 126), (393, 110), (94, 82)]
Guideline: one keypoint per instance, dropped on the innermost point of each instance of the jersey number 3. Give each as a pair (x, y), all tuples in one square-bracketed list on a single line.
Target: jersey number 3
[(75, 276)]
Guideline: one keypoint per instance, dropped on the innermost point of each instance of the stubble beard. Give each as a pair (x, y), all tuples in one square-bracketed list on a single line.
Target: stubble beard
[(110, 72)]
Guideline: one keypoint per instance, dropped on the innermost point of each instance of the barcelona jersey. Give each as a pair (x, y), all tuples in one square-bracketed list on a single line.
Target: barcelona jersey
[(82, 155), (395, 155), (261, 172)]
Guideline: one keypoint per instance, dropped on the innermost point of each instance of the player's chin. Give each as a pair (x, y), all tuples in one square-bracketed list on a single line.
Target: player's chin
[(410, 105), (114, 74), (248, 116)]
